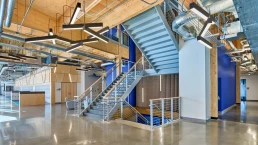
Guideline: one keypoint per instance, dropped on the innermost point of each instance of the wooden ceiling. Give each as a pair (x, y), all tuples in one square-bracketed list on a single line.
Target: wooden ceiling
[(48, 7)]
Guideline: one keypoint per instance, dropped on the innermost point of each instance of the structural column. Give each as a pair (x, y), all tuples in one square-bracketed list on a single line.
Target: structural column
[(194, 80), (214, 82)]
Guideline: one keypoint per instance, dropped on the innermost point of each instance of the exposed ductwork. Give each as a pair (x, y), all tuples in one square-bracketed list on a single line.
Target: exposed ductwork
[(2, 9), (181, 26), (9, 12), (216, 6), (3, 69)]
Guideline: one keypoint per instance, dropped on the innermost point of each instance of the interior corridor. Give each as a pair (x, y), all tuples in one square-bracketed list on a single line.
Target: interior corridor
[(246, 112)]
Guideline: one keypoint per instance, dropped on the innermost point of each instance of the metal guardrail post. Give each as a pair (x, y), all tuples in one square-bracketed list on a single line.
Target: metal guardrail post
[(112, 74), (126, 83), (151, 114), (135, 71), (121, 108), (142, 63), (179, 108), (103, 83), (172, 109), (162, 111), (115, 94), (90, 94)]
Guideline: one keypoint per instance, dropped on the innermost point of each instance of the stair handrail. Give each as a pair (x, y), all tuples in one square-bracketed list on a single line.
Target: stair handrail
[(105, 74), (134, 66), (91, 103), (131, 107)]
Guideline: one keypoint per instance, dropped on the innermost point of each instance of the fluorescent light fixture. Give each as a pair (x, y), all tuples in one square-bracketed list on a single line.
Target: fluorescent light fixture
[(25, 56), (74, 47), (94, 25), (73, 27), (85, 41), (40, 39), (102, 31), (75, 13), (206, 26), (82, 69), (199, 11), (204, 42), (95, 34), (8, 58), (51, 32), (16, 56), (63, 40)]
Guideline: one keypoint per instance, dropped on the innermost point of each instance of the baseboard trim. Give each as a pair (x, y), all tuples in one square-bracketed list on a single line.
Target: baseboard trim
[(215, 118), (251, 100), (226, 110), (193, 120)]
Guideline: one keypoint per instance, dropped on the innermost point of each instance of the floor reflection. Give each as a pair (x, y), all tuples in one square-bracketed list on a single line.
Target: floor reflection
[(245, 112)]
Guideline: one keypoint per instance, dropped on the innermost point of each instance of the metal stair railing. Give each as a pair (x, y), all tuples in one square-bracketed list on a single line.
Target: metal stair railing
[(124, 83), (164, 111), (96, 89), (125, 111)]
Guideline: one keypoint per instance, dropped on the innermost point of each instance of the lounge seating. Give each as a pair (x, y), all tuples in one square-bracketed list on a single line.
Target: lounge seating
[(69, 104)]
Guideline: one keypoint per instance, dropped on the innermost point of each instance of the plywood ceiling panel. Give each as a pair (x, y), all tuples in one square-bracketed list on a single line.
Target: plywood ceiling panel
[(48, 7)]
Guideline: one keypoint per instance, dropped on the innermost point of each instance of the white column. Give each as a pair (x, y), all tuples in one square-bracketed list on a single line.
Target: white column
[(83, 80), (194, 80)]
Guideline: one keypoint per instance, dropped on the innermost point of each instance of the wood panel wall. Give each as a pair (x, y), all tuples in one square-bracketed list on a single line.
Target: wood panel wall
[(32, 99), (149, 88), (63, 74)]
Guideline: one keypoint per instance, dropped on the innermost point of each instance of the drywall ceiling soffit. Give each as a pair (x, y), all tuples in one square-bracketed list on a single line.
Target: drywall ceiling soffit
[(247, 12)]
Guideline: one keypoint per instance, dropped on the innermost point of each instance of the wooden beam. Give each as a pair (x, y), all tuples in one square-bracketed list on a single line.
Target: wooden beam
[(214, 82), (124, 12)]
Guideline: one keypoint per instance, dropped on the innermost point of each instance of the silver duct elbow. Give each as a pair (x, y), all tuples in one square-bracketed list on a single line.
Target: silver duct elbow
[(9, 12), (2, 8), (181, 26)]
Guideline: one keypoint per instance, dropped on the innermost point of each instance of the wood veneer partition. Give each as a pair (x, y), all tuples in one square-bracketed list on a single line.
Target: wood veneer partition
[(149, 88)]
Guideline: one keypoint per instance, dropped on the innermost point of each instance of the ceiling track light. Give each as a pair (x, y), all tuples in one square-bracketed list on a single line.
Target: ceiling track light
[(207, 26), (199, 11), (102, 31), (95, 34), (40, 39), (85, 41), (73, 27), (204, 42), (75, 13), (47, 38), (74, 47)]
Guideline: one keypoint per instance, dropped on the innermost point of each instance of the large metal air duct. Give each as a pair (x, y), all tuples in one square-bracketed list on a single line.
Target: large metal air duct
[(9, 12), (220, 6), (181, 26), (2, 9)]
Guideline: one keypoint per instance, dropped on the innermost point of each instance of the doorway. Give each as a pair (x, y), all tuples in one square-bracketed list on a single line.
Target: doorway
[(69, 90), (243, 89)]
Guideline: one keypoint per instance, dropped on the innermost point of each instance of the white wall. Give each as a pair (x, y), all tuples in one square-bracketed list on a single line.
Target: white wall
[(87, 79), (194, 80), (252, 84)]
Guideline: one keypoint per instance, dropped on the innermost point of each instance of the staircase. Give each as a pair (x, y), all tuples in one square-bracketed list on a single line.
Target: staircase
[(119, 88), (151, 33)]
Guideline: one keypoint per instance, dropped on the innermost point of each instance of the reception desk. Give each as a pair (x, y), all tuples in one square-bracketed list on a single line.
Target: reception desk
[(31, 98)]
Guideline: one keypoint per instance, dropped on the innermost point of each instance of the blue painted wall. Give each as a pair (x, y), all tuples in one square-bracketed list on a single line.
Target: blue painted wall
[(132, 58), (227, 80)]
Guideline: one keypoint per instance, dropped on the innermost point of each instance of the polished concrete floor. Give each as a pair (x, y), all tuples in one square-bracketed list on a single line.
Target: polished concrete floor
[(246, 112), (51, 125)]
